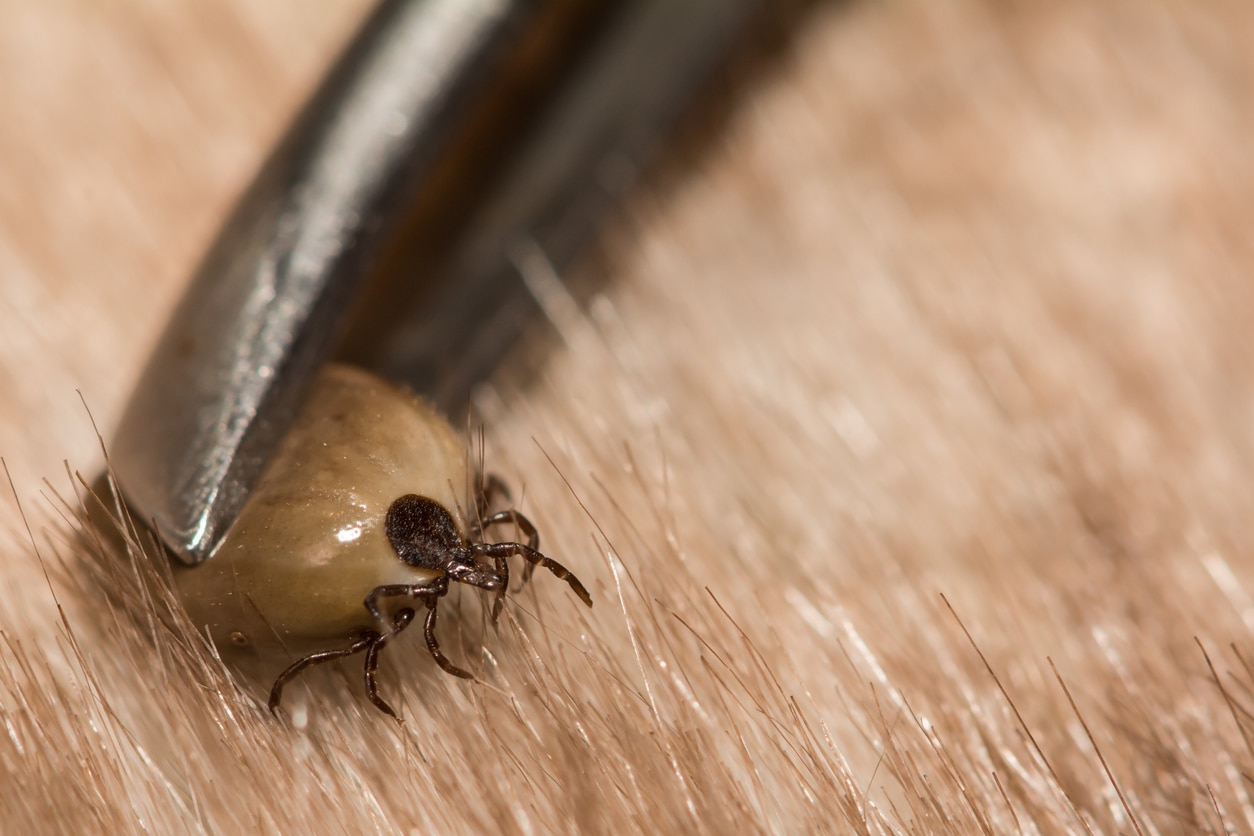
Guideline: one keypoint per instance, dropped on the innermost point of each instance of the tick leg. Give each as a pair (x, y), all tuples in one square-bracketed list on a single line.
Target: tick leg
[(400, 622), (509, 515), (433, 646), (529, 531), (534, 558), (502, 569), (397, 590), (368, 638), (491, 487)]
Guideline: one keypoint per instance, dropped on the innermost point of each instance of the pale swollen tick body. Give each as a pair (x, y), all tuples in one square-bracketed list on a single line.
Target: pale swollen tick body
[(361, 514)]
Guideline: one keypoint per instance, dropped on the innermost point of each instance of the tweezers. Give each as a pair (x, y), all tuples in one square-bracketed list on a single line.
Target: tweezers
[(447, 132)]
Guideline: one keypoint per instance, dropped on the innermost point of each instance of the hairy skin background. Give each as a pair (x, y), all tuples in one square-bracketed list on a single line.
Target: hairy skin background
[(956, 305)]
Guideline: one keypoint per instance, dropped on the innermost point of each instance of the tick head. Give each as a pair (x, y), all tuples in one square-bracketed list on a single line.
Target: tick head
[(465, 570), (424, 534)]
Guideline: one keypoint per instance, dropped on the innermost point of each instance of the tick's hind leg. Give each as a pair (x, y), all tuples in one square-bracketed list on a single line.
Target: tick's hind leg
[(399, 622), (433, 646), (293, 670), (371, 642), (434, 589)]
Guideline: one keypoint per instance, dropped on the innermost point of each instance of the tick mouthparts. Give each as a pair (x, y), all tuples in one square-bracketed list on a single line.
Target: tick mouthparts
[(489, 581), (476, 575)]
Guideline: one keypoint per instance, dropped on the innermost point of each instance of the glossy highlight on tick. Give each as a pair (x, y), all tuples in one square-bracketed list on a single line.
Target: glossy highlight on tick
[(356, 522)]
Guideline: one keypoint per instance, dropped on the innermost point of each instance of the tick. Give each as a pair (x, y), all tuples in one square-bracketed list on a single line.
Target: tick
[(360, 517)]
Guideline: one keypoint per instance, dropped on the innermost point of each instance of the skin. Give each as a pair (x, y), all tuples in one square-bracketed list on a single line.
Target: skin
[(291, 575)]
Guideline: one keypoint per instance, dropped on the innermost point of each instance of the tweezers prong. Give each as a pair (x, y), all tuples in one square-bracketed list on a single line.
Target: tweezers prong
[(270, 302)]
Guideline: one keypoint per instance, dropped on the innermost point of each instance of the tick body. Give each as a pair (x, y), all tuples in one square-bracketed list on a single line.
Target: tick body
[(357, 528)]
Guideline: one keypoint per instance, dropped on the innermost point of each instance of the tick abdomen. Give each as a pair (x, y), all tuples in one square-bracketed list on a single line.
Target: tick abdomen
[(310, 544)]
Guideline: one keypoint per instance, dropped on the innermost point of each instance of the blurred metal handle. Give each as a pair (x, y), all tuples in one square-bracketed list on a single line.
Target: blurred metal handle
[(271, 297), (440, 111), (443, 325)]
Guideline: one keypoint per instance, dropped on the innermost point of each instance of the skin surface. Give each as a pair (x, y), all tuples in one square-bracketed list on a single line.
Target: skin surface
[(292, 573), (906, 451)]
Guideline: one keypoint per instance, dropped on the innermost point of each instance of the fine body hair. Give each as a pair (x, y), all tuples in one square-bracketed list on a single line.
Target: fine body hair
[(903, 449)]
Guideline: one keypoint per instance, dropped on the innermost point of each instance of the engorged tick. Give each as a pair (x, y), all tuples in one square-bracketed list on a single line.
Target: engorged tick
[(356, 515)]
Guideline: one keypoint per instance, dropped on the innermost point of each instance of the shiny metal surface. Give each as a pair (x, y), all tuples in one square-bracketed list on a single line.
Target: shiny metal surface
[(518, 119), (600, 127), (271, 296)]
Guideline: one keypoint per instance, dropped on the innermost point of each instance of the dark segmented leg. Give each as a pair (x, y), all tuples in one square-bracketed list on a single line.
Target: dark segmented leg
[(502, 569), (535, 558), (533, 542), (399, 623), (368, 638), (502, 563), (433, 646), (397, 590), (525, 525), (491, 487)]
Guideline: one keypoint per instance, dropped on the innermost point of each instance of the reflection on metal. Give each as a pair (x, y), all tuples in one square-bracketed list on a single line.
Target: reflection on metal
[(449, 131)]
